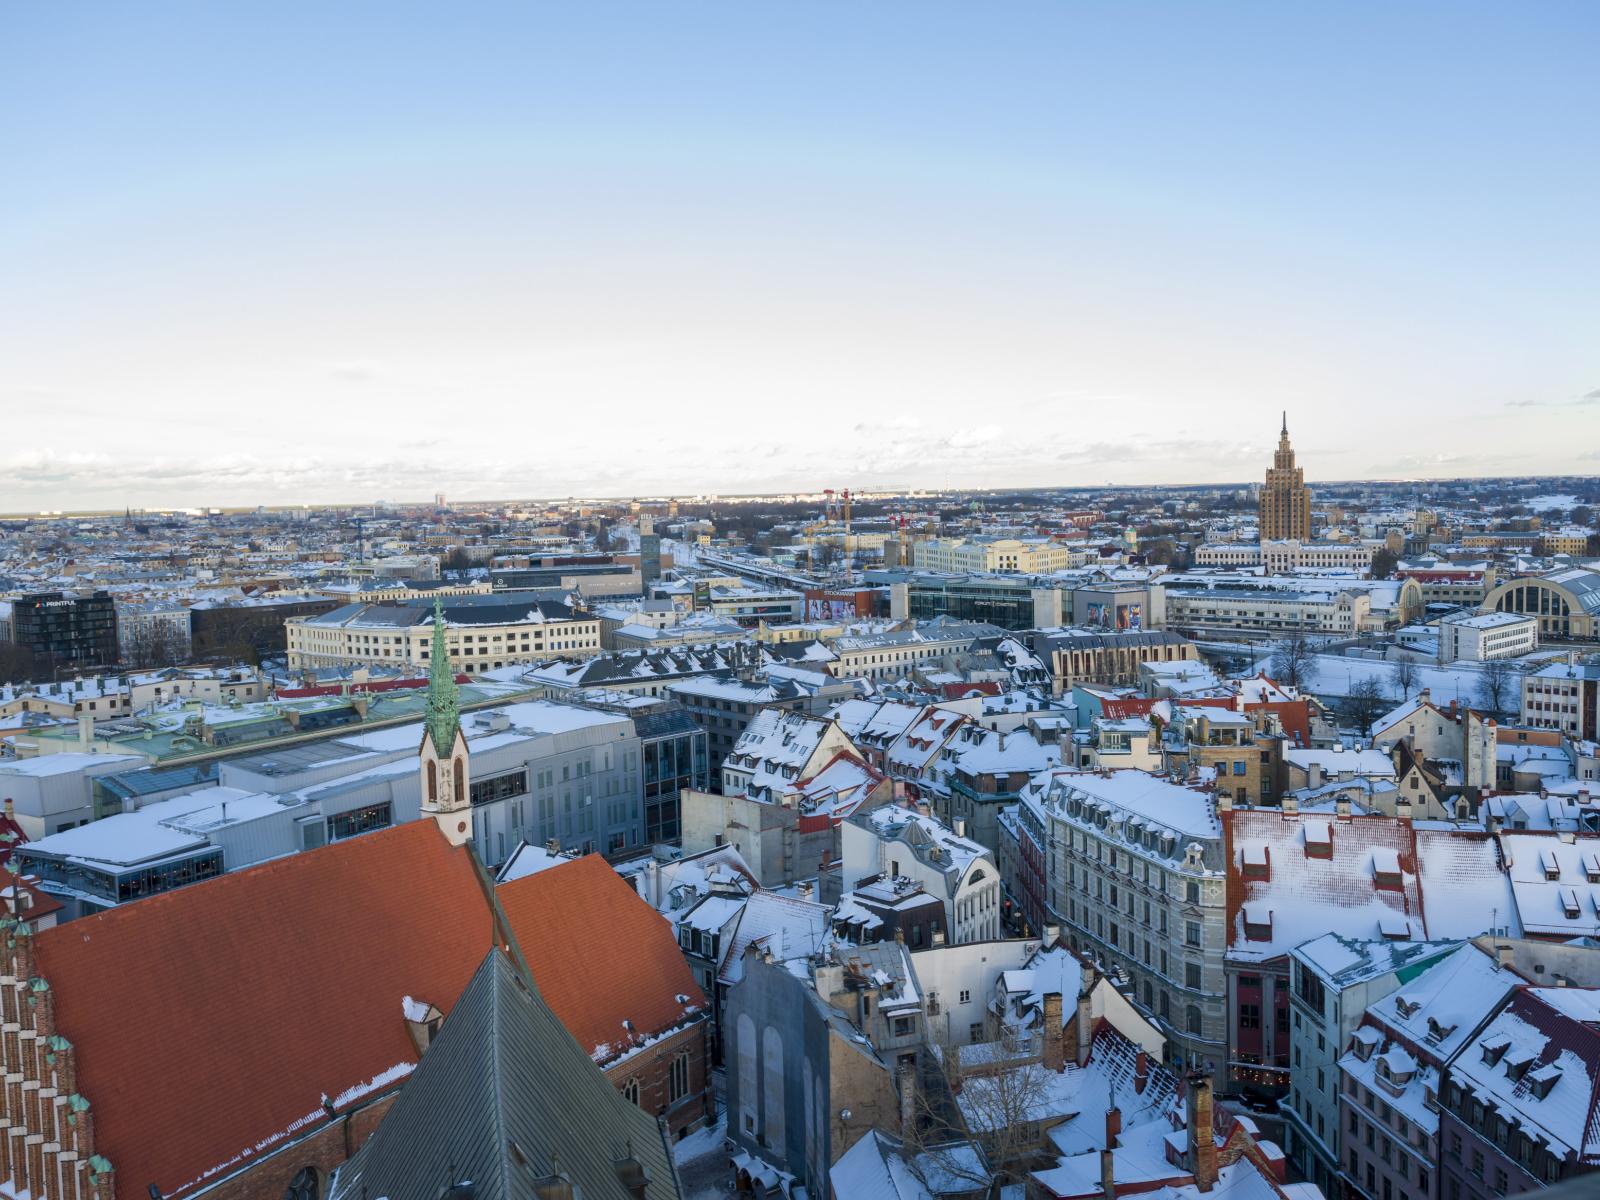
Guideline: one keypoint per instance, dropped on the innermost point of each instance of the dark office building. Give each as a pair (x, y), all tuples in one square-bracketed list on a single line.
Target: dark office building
[(253, 629), (649, 553), (76, 630)]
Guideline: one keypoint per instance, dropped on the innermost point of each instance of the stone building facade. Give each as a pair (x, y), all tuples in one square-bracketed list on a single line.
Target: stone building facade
[(1135, 868)]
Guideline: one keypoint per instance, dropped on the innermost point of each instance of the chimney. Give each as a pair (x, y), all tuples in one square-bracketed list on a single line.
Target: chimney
[(1402, 808), (1202, 1134), (1341, 807), (906, 1081), (1224, 800), (85, 731), (1085, 1024), (1052, 935), (1108, 1183), (1054, 1051), (1113, 1126), (1141, 1072), (1291, 806)]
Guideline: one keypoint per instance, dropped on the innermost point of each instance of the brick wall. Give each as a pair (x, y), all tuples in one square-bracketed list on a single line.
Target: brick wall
[(652, 1068)]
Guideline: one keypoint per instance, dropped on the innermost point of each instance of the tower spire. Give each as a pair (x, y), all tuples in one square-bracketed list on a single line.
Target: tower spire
[(444, 698), (1286, 422)]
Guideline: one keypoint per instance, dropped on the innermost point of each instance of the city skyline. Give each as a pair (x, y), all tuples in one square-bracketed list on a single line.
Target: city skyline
[(333, 257)]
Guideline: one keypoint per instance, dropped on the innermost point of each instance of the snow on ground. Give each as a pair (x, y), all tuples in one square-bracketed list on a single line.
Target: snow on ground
[(702, 1162)]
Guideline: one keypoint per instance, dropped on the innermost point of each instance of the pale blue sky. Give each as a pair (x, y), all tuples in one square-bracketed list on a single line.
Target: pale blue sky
[(294, 251)]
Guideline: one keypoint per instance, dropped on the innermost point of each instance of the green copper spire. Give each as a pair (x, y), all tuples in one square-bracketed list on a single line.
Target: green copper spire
[(444, 701)]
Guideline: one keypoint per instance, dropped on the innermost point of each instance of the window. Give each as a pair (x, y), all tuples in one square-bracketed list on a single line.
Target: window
[(630, 1092), (975, 1032), (361, 820), (1192, 1018), (678, 1078), (1191, 976), (500, 787), (1249, 1016), (966, 997), (1191, 933), (905, 1026)]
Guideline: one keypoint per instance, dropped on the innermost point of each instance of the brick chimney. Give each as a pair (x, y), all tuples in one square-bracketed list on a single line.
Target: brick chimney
[(1113, 1126), (1085, 1024), (1108, 1182), (1141, 1072), (1202, 1135), (1055, 1055), (907, 1083)]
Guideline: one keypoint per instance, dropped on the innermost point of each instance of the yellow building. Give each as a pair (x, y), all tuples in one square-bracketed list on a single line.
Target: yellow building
[(988, 556), (1285, 499)]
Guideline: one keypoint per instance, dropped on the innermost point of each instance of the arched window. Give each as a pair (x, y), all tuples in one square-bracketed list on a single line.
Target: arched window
[(630, 1091), (433, 781), (1192, 1018), (459, 775), (304, 1186)]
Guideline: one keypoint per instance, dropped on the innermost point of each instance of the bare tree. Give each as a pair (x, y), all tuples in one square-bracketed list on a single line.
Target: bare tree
[(1364, 704), (996, 1099), (1293, 661), (1405, 676), (1498, 682), (155, 644)]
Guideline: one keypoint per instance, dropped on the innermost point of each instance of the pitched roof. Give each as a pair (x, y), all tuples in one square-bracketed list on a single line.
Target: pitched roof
[(505, 1098), (1305, 894), (260, 991), (600, 955)]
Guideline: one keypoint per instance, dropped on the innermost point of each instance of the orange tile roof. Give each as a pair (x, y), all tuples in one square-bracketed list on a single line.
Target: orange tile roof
[(209, 1021), (599, 954)]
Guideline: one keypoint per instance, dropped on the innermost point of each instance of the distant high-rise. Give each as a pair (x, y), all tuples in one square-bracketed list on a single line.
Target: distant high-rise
[(649, 553), (1285, 499)]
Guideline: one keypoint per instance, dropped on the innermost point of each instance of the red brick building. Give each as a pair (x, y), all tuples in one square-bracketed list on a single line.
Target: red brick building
[(248, 1031), (609, 967)]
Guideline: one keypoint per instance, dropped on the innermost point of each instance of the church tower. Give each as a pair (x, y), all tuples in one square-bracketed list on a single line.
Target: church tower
[(442, 757), (1285, 499)]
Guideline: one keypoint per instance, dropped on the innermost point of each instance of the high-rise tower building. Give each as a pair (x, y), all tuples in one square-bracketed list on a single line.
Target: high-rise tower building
[(1285, 499)]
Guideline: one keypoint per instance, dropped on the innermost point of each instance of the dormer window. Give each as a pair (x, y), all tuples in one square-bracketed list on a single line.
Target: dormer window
[(1569, 903), (1363, 1042), (1518, 1062), (1494, 1048), (1550, 864), (1257, 923), (1542, 1080), (1257, 862)]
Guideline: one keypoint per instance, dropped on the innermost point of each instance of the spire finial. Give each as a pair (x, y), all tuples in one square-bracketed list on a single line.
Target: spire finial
[(1286, 422), (444, 700)]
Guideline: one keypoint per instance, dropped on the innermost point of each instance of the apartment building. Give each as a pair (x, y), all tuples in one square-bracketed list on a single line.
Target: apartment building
[(1479, 637), (1292, 554), (1334, 979), (1008, 556), (1564, 696), (1107, 656), (1135, 870), (482, 633)]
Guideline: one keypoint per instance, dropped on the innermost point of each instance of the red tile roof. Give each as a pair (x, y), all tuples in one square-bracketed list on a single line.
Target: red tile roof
[(209, 1021), (599, 954)]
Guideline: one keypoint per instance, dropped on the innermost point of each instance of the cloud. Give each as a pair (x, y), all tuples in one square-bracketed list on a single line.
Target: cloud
[(1592, 397), (355, 372)]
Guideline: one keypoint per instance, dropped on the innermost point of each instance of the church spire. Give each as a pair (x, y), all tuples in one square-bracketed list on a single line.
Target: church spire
[(444, 699)]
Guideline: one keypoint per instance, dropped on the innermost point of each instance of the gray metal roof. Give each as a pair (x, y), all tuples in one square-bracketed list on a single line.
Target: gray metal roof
[(504, 1097)]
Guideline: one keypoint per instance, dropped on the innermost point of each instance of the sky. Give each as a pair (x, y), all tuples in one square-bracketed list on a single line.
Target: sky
[(298, 252)]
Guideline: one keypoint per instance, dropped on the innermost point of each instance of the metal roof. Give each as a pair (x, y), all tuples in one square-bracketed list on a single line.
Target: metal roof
[(505, 1098)]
